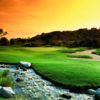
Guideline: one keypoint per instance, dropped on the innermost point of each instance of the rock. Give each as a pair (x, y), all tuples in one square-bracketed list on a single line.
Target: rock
[(30, 78), (19, 79), (97, 95), (91, 92), (25, 64), (23, 73), (24, 69), (7, 92), (67, 95), (98, 90)]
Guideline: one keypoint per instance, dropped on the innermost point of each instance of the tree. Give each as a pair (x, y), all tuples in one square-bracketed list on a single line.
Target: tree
[(4, 41), (2, 33)]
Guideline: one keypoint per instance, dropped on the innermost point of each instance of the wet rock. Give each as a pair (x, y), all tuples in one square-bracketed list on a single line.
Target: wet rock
[(25, 64), (23, 73), (67, 95), (7, 92), (98, 90), (30, 78), (97, 95), (24, 69), (20, 79), (60, 98), (91, 92)]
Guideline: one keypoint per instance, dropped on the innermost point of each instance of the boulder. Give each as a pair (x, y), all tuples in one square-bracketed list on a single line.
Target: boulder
[(91, 92), (25, 64), (97, 94), (7, 92), (66, 95)]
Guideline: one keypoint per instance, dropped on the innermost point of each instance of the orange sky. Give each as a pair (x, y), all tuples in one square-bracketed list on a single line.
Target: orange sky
[(26, 18)]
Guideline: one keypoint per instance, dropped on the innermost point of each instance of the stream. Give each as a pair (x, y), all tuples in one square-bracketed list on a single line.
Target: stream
[(34, 87)]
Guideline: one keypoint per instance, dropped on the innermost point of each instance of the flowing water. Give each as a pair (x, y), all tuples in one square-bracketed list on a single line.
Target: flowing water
[(34, 87)]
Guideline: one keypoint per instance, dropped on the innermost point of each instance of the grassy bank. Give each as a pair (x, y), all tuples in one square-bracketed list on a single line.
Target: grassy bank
[(55, 65)]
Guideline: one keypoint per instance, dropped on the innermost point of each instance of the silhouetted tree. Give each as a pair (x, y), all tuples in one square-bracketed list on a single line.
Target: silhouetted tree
[(4, 41), (2, 33), (12, 41)]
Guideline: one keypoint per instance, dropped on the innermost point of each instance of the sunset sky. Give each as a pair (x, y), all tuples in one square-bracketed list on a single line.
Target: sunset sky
[(26, 18)]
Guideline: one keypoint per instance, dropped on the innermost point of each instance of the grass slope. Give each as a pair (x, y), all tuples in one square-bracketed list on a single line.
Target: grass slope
[(55, 65)]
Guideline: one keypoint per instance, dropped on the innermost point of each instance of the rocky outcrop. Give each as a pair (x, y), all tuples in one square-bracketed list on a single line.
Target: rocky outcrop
[(7, 92)]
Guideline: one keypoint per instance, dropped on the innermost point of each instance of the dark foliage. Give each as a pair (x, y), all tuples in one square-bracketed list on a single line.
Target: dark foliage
[(4, 41), (81, 37), (77, 38)]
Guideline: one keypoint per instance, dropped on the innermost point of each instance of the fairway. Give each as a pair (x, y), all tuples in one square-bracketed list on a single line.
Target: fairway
[(55, 65)]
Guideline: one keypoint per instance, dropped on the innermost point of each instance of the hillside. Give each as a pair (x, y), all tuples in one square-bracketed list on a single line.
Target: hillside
[(76, 38)]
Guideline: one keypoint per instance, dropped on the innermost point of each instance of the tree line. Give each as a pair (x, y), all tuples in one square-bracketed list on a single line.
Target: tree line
[(81, 37)]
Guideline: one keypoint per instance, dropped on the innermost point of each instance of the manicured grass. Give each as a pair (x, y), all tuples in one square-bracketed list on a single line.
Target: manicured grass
[(72, 50), (53, 64), (80, 56)]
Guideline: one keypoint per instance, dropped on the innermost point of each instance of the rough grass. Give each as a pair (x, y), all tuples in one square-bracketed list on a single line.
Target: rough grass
[(19, 98), (80, 56), (56, 66), (16, 98), (4, 73), (4, 80)]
